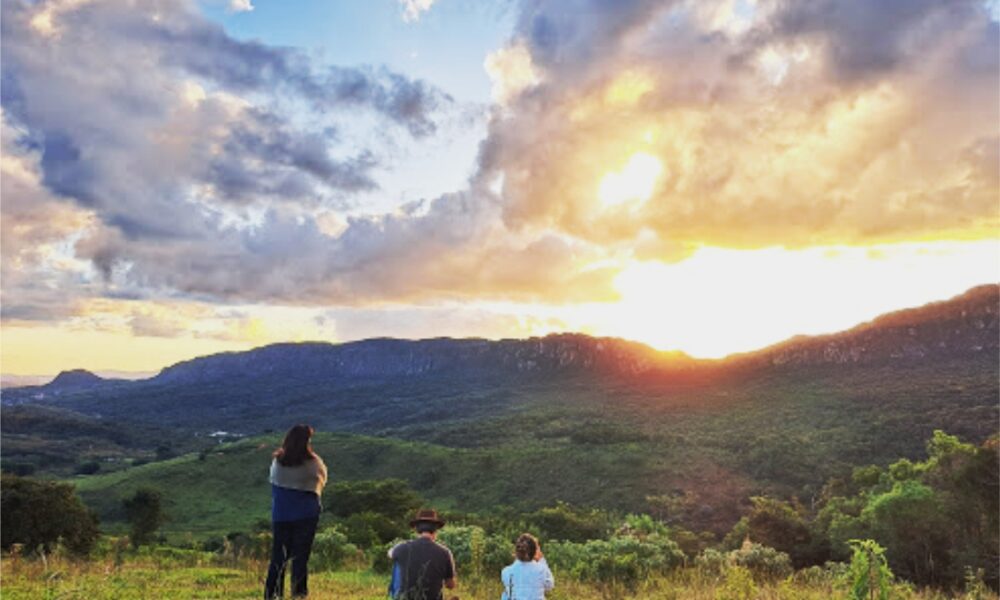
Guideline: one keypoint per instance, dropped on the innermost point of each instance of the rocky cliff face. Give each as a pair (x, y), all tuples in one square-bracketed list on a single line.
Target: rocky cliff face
[(966, 326), (390, 358), (963, 326)]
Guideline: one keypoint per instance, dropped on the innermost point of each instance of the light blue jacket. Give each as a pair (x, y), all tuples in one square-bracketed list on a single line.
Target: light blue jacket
[(527, 580)]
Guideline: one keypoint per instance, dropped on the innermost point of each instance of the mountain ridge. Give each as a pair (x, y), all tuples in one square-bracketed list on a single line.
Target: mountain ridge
[(960, 326)]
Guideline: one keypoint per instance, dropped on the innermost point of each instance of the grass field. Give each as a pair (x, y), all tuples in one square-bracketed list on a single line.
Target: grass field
[(199, 575), (173, 574)]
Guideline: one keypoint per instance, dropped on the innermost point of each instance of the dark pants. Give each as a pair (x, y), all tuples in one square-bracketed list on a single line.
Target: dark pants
[(292, 542)]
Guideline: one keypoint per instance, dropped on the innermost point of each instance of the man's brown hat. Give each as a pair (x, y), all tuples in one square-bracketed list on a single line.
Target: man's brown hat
[(427, 515)]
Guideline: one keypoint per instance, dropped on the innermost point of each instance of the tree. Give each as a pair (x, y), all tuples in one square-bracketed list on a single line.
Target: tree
[(145, 514), (909, 521), (40, 513), (392, 498), (566, 522), (778, 525)]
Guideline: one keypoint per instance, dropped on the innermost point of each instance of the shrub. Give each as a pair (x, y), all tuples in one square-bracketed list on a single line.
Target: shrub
[(476, 552), (568, 523), (739, 585), (331, 549), (41, 513), (869, 576), (711, 562), (390, 497), (368, 529), (764, 563), (620, 561)]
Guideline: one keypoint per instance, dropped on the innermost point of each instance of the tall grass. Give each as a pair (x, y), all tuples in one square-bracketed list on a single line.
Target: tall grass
[(117, 573)]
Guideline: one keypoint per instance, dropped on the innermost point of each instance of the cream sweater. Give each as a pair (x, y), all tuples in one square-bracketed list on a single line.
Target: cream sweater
[(310, 476)]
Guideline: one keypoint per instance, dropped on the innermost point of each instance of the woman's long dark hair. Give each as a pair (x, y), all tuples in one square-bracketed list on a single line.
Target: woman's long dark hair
[(295, 450), (526, 547)]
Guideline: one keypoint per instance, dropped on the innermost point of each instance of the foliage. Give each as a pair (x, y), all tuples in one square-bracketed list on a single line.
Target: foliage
[(330, 550), (475, 551), (712, 562), (764, 563), (934, 517), (869, 575), (616, 562), (910, 520), (41, 513), (368, 529), (739, 585), (566, 522), (145, 515), (392, 498)]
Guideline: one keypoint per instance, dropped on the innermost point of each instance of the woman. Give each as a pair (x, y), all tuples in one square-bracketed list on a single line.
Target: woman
[(297, 479), (528, 577)]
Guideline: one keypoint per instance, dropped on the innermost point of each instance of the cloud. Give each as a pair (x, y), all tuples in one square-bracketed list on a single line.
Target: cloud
[(210, 169), (240, 6), (412, 9), (799, 123)]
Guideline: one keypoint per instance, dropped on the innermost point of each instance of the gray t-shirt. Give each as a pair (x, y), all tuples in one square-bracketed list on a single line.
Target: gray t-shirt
[(424, 566)]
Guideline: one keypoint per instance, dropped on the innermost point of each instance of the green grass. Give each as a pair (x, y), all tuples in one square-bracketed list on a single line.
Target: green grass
[(198, 575)]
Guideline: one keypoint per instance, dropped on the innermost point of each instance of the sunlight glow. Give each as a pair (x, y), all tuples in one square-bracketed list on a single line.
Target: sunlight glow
[(721, 301), (634, 183)]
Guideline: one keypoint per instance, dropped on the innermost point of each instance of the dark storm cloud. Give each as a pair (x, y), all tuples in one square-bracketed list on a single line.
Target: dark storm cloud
[(864, 38)]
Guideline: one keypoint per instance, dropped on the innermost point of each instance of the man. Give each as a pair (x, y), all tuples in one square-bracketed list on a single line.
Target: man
[(423, 566)]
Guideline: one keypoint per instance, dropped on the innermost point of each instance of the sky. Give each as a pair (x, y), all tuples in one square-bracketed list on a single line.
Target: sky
[(182, 177)]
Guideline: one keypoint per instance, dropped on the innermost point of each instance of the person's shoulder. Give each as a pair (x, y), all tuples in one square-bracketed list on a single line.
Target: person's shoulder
[(441, 546)]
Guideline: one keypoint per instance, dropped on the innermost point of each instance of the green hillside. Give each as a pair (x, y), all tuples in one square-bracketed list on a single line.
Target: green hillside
[(609, 446)]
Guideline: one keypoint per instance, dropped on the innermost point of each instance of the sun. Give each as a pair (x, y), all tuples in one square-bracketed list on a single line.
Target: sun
[(634, 183)]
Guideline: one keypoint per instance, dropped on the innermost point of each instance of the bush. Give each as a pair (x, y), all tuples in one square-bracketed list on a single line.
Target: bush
[(711, 562), (568, 523), (41, 513), (368, 529), (390, 497), (620, 561), (331, 549), (764, 563), (476, 552), (739, 585)]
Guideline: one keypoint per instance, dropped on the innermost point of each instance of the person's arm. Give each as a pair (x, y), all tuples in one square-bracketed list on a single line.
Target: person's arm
[(548, 581), (451, 578), (322, 472)]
